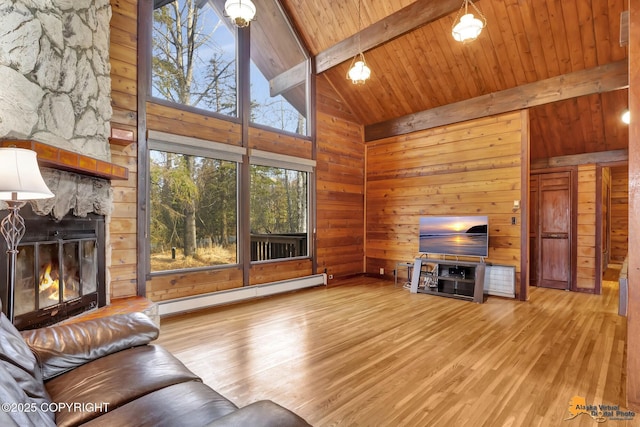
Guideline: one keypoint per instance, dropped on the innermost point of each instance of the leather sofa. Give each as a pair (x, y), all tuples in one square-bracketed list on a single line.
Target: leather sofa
[(105, 372)]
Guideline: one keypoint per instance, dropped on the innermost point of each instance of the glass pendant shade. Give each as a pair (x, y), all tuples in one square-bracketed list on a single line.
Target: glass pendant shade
[(20, 177), (468, 29), (241, 12), (626, 117), (359, 72)]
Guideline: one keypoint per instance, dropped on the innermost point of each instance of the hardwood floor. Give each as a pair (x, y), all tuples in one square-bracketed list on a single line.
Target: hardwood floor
[(367, 353)]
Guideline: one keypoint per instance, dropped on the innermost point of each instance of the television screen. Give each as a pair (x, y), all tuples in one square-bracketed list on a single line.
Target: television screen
[(454, 235)]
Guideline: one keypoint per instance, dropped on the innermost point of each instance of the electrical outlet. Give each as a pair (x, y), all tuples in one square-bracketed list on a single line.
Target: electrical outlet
[(514, 220), (381, 271), (330, 276)]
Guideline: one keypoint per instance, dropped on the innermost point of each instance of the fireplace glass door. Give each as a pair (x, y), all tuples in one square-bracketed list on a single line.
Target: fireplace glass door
[(59, 271), (51, 273)]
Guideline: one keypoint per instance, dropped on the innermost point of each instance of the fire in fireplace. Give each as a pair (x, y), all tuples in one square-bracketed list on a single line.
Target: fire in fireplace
[(59, 270)]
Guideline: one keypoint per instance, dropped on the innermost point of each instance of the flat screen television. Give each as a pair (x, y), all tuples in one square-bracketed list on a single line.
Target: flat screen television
[(454, 235)]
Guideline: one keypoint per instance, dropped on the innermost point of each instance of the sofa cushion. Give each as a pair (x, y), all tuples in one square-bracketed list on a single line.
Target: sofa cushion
[(61, 348), (20, 370), (181, 405), (115, 380), (263, 413)]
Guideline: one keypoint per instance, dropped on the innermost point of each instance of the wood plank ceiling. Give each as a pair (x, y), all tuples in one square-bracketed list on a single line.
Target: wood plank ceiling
[(525, 41)]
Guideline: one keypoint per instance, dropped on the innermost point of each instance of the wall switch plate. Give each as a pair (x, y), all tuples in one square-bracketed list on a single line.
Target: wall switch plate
[(514, 220), (381, 271)]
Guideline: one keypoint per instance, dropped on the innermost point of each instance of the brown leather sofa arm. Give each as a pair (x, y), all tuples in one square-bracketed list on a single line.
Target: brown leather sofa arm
[(263, 413), (61, 348)]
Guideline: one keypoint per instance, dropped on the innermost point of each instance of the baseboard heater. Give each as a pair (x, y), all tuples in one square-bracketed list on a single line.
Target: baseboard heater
[(212, 299), (500, 280)]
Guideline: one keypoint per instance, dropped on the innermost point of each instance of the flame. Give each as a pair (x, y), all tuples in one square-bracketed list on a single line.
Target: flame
[(48, 284)]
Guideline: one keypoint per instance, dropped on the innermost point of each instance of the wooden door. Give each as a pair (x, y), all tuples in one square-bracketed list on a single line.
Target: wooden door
[(553, 230), (551, 222)]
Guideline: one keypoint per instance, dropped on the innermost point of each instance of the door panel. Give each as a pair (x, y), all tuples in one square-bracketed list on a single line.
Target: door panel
[(555, 271)]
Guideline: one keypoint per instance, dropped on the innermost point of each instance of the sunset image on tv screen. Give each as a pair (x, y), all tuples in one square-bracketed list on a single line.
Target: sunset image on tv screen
[(454, 235)]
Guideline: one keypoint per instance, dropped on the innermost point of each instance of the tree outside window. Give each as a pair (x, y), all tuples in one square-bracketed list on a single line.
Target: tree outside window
[(279, 213), (194, 57), (193, 211)]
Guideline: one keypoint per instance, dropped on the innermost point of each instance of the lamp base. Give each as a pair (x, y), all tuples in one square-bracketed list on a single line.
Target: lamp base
[(12, 229)]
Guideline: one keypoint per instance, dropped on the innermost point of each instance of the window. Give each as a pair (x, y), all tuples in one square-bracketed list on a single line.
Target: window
[(279, 213), (279, 73), (193, 215), (277, 110), (195, 63), (194, 56)]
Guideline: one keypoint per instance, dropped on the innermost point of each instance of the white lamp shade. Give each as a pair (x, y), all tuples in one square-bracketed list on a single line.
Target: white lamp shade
[(20, 177), (626, 117), (467, 29), (241, 12), (359, 72)]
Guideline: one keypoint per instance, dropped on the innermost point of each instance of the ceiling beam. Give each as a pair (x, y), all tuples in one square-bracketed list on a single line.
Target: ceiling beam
[(598, 157), (291, 78), (600, 79), (401, 22)]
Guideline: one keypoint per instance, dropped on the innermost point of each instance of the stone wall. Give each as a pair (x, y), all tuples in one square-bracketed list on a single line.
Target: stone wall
[(55, 73)]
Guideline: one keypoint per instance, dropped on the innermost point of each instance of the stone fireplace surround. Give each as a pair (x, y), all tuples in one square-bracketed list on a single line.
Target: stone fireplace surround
[(55, 73)]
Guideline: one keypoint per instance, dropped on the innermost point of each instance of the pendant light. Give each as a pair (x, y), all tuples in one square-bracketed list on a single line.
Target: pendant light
[(359, 72), (468, 28), (241, 12), (626, 117)]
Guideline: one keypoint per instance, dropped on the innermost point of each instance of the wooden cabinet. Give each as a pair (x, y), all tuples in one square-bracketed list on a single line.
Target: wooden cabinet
[(449, 278)]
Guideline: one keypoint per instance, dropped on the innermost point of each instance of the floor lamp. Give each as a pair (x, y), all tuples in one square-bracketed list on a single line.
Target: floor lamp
[(20, 181)]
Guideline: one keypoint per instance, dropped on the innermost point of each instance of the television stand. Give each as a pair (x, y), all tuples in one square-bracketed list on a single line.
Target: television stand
[(449, 278)]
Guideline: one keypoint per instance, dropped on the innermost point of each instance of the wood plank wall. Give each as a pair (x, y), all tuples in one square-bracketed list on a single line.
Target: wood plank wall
[(470, 168), (121, 229), (619, 213), (340, 185), (586, 249)]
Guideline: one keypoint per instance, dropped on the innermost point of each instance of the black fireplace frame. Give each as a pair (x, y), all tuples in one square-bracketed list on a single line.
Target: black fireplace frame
[(46, 229)]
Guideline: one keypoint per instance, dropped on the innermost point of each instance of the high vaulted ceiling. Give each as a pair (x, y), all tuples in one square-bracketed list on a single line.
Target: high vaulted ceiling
[(525, 41)]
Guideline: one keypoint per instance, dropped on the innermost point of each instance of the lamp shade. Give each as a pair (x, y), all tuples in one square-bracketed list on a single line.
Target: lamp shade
[(359, 72), (467, 29), (626, 117), (20, 175), (241, 12)]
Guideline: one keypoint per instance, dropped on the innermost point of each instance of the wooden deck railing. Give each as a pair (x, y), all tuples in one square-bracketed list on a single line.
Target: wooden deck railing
[(274, 246)]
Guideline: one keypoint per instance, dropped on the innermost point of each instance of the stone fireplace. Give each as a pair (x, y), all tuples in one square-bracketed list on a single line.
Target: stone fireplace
[(60, 268), (55, 73)]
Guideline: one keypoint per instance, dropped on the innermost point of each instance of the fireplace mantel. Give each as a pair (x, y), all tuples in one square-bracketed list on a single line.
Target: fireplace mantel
[(50, 156)]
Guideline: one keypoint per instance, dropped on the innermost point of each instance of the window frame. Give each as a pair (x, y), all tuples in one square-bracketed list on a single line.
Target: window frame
[(184, 145), (148, 58), (299, 164), (243, 54), (140, 123)]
